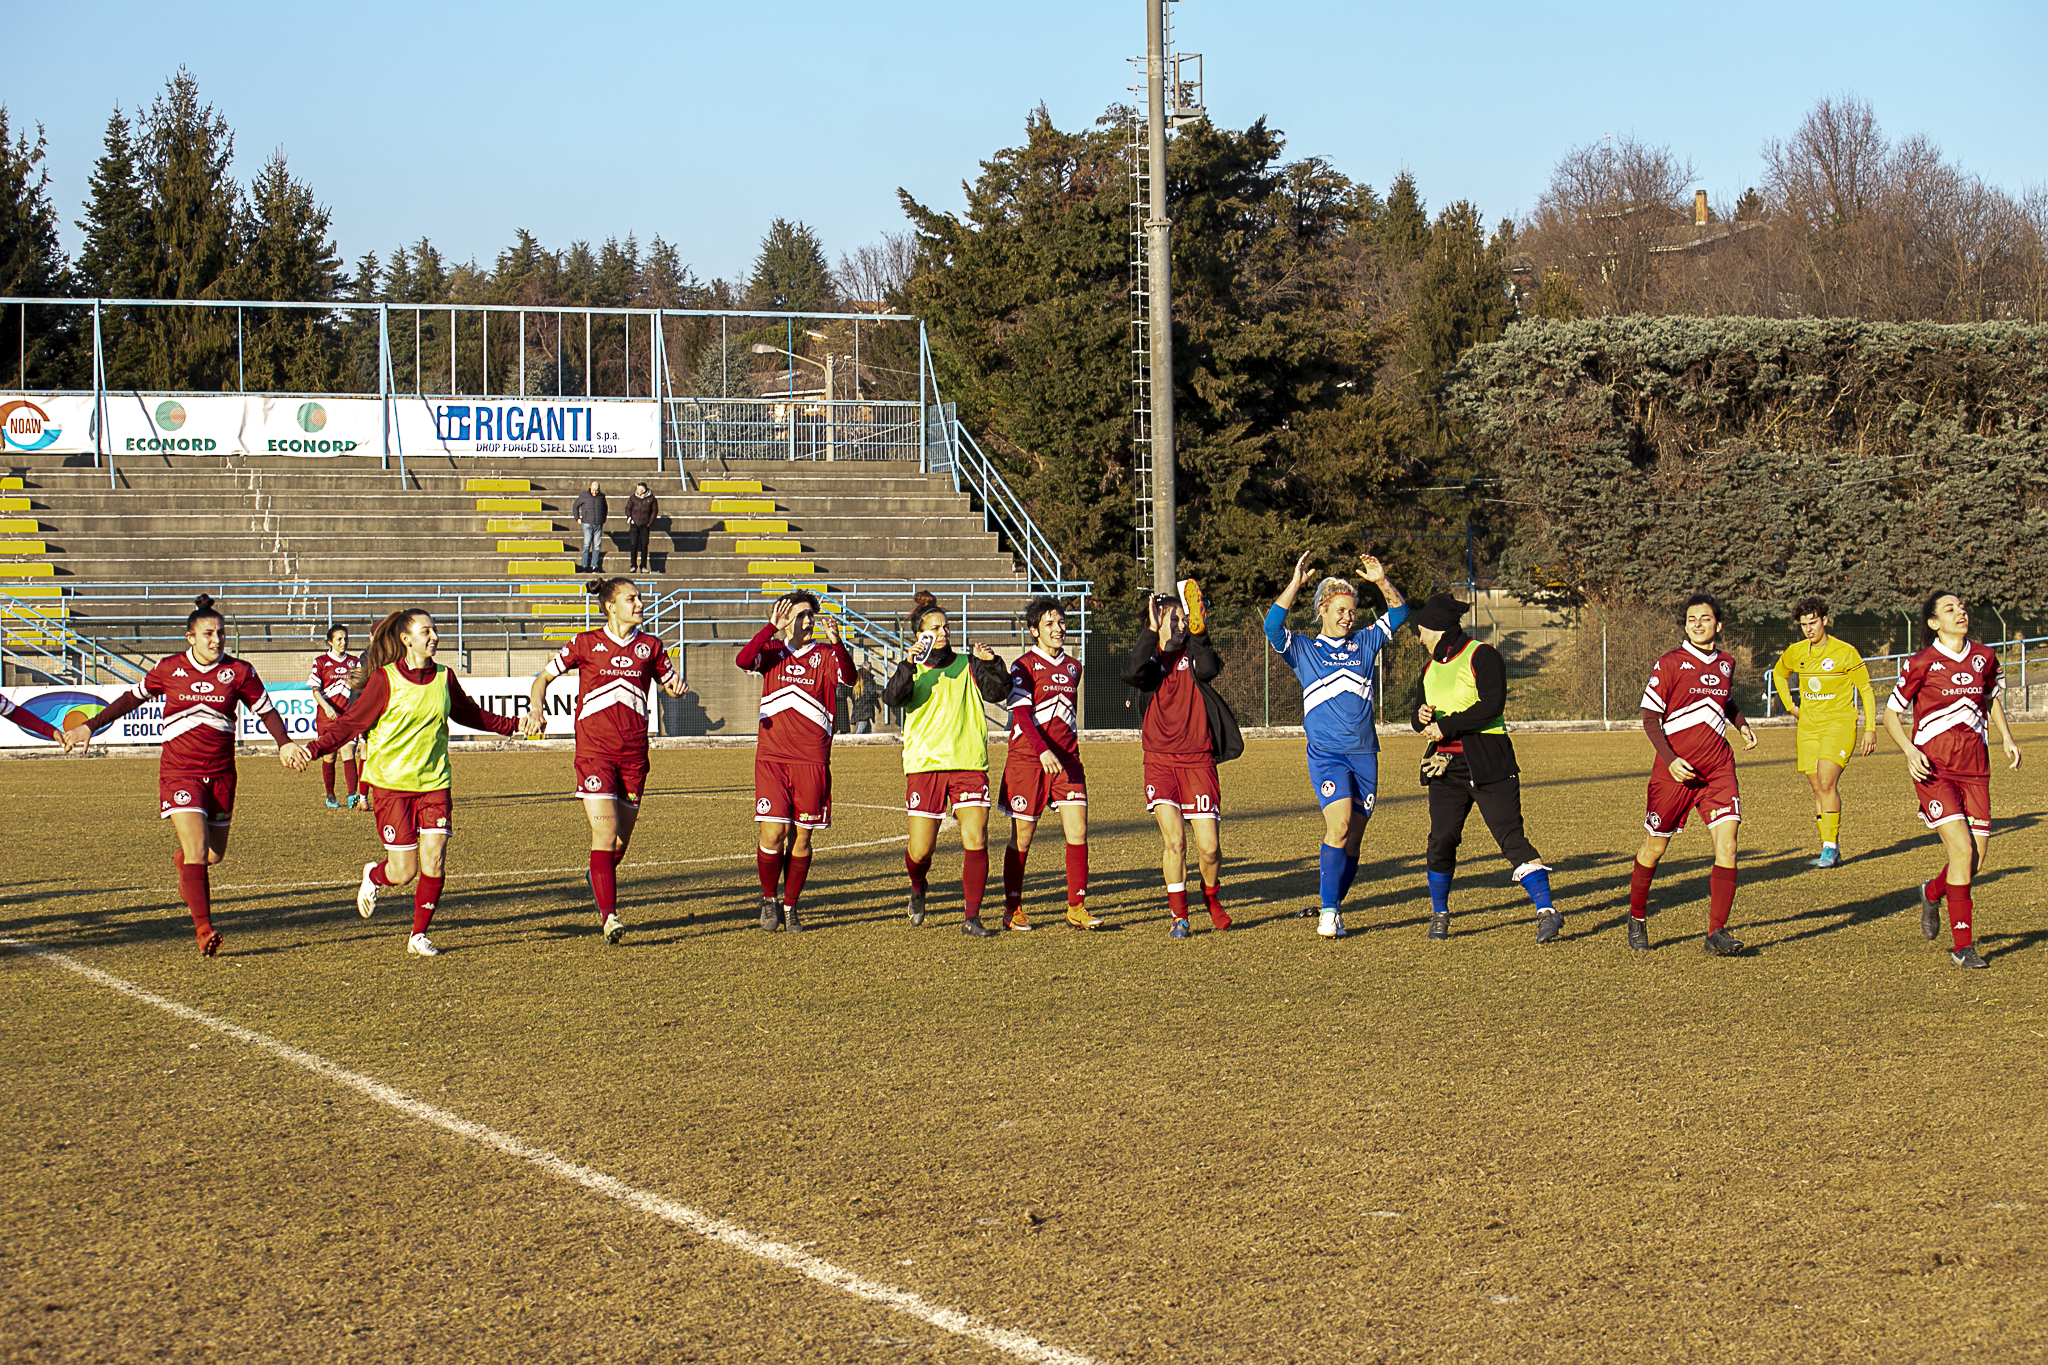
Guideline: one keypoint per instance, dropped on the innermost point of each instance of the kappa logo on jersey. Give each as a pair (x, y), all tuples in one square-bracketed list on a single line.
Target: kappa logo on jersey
[(1329, 788), (1686, 664), (592, 783), (179, 673), (762, 806)]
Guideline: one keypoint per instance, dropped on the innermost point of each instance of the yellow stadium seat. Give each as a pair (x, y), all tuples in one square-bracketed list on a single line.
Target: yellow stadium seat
[(755, 528), (742, 507), (28, 570), (499, 526), (21, 547), (497, 486), (768, 547), (19, 526), (713, 485), (780, 566), (532, 568), (532, 547), (508, 504)]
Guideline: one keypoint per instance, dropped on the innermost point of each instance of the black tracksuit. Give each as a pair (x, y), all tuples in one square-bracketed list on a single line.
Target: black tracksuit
[(1484, 774)]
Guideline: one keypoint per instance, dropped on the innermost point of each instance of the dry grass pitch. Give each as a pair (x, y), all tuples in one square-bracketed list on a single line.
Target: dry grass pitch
[(1249, 1146)]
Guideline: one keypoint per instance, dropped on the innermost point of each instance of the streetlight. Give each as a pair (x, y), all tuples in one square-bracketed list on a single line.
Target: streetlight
[(831, 428)]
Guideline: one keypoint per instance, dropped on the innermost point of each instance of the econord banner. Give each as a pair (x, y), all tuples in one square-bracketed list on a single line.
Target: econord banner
[(255, 424)]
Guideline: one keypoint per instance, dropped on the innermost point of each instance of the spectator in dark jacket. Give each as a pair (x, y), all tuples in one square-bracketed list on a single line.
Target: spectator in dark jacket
[(641, 510), (591, 511)]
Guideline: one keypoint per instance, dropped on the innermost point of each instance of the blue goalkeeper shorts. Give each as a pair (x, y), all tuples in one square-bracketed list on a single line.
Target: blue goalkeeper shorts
[(1336, 776)]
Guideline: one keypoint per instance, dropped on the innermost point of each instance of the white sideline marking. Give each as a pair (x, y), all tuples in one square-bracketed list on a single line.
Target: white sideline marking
[(717, 1230)]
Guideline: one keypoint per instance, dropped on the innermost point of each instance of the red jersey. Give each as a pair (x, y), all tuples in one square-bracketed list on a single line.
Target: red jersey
[(329, 678), (1042, 712), (1949, 698), (799, 690), (612, 678), (1690, 692), (199, 712), (1176, 725)]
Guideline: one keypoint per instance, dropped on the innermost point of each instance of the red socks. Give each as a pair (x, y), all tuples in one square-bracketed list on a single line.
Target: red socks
[(1177, 900), (918, 868), (1077, 873), (1013, 877), (192, 886), (1959, 908), (425, 897), (1639, 891), (1720, 897), (350, 771), (1936, 889), (793, 885), (603, 881), (327, 773), (768, 862), (380, 875), (973, 879), (1213, 895)]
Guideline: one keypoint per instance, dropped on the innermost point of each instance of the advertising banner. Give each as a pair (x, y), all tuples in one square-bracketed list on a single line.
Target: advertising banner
[(238, 424), (62, 706)]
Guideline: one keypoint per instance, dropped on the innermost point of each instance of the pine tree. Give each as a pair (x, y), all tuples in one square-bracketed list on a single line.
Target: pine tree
[(192, 250), (1461, 297), (790, 273), (114, 262), (287, 256), (1403, 228), (32, 262)]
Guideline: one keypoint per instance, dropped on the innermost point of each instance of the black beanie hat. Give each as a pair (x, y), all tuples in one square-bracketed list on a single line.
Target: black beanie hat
[(1441, 612)]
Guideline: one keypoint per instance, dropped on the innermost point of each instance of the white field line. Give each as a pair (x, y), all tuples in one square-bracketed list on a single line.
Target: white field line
[(1015, 1344)]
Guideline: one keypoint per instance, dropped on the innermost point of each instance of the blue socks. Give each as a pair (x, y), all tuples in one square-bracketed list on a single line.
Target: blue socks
[(1349, 875), (1439, 893), (1334, 881), (1537, 884)]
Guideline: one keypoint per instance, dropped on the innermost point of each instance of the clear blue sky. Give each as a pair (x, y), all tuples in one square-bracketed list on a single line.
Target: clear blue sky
[(701, 122)]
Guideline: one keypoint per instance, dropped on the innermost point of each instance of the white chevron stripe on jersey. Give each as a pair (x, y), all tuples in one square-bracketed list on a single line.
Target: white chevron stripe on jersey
[(1964, 711), (196, 718), (624, 693), (1054, 708), (1652, 702), (1706, 711), (1343, 684), (263, 703), (801, 702)]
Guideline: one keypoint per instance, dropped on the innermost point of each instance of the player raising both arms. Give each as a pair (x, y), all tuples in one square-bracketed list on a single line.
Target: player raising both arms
[(1949, 689), (800, 682), (1335, 669), (1043, 771), (1687, 706), (329, 681), (1831, 678), (196, 770), (403, 707), (1182, 738), (945, 752), (615, 666)]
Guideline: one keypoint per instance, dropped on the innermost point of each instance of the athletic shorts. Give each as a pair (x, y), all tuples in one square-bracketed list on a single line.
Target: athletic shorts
[(1191, 788), (1716, 796), (797, 794), (933, 794), (322, 723), (1947, 798), (1835, 742), (1336, 776), (1029, 791), (402, 815), (619, 778), (213, 797)]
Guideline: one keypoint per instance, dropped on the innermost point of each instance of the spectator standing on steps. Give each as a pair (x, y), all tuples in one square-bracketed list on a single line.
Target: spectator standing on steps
[(591, 511), (641, 510)]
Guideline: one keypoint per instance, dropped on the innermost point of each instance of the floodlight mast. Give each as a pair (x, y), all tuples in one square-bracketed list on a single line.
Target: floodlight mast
[(1159, 265)]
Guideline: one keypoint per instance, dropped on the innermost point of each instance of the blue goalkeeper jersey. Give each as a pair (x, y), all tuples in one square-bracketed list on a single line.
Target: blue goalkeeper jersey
[(1336, 679)]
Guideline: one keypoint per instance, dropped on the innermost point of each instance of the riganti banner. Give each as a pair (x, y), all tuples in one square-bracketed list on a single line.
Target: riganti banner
[(237, 424)]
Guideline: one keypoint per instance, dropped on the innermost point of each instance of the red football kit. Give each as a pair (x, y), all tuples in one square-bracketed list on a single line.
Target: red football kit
[(613, 677), (1687, 705), (329, 679), (1043, 692), (1948, 698), (793, 754), (1180, 764), (196, 768)]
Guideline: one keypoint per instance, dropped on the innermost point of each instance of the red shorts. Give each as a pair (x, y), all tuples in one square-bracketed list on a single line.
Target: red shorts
[(1029, 791), (620, 778), (1190, 787), (1716, 796), (213, 797), (933, 794), (1949, 797), (322, 723), (402, 815), (797, 794)]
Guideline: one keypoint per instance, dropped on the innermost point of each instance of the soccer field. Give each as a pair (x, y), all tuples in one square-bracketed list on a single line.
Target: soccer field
[(1248, 1146)]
